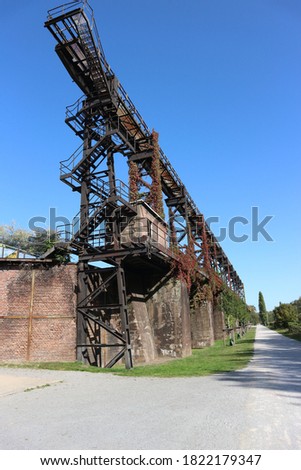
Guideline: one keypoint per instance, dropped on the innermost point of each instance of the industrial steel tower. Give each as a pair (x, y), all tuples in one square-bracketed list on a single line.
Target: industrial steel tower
[(117, 224)]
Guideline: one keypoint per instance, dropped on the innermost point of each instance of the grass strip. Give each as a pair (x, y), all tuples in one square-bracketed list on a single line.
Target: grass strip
[(215, 359), (285, 332), (211, 360)]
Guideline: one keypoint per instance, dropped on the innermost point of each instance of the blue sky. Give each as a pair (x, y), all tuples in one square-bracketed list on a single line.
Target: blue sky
[(218, 79)]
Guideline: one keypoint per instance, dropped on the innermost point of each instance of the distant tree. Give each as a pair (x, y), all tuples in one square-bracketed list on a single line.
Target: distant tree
[(15, 237), (253, 315), (261, 303), (270, 317), (262, 309), (297, 304), (235, 309), (34, 243), (285, 314)]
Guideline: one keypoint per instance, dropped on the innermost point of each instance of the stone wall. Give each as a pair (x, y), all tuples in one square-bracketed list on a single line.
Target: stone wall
[(37, 313), (218, 320), (160, 327), (202, 325)]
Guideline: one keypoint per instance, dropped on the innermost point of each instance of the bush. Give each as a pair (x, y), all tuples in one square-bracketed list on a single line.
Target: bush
[(235, 309), (285, 314), (294, 327)]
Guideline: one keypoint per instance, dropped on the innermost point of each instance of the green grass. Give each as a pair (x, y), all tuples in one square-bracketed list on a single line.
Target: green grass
[(69, 366), (285, 332), (215, 359)]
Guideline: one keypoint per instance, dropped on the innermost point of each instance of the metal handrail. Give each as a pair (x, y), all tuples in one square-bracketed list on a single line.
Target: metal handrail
[(65, 164), (66, 7)]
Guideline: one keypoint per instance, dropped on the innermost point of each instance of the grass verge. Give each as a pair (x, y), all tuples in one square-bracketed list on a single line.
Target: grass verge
[(285, 332), (212, 360)]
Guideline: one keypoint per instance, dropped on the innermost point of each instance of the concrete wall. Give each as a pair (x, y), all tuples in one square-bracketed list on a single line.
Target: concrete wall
[(218, 320), (37, 313), (202, 325), (160, 327), (142, 333)]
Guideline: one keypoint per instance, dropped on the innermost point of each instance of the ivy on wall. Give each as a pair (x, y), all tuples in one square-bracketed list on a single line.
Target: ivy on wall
[(155, 196), (134, 181), (234, 308)]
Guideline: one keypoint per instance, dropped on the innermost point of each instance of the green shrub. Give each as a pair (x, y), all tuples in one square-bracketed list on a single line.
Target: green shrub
[(285, 314), (294, 327)]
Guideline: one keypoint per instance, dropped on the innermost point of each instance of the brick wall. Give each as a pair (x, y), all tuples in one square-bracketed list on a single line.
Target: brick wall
[(38, 317), (37, 313)]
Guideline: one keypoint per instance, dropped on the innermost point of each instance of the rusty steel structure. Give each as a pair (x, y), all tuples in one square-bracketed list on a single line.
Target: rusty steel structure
[(106, 230)]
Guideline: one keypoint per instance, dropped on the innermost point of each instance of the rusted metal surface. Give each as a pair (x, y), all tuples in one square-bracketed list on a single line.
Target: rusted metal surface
[(108, 123)]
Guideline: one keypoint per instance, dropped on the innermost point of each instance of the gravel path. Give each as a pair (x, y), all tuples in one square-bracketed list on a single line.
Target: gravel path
[(256, 408)]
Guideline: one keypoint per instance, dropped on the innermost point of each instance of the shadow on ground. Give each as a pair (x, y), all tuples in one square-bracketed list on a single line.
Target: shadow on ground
[(276, 366)]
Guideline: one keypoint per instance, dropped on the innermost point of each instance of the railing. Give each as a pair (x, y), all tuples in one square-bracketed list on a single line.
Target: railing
[(75, 113), (67, 166), (140, 231), (122, 189), (68, 7), (73, 109), (127, 102), (102, 192), (7, 252)]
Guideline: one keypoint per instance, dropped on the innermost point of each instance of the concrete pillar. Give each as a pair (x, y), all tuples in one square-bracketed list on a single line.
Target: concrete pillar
[(218, 319), (202, 329), (170, 316), (142, 334)]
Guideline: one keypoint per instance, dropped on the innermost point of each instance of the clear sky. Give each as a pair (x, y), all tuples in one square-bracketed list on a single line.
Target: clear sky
[(220, 80)]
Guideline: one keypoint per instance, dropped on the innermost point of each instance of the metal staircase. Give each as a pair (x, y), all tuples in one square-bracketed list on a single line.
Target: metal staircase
[(108, 123)]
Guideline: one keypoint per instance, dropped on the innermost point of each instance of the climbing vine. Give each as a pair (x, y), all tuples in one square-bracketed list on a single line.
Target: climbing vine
[(234, 308), (200, 293), (134, 181), (186, 265), (155, 197)]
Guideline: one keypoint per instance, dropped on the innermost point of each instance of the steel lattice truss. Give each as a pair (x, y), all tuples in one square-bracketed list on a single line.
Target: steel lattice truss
[(108, 123)]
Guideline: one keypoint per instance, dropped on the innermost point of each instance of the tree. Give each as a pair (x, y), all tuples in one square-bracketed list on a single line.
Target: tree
[(253, 315), (285, 314), (262, 309), (34, 243), (235, 309), (297, 304), (15, 237)]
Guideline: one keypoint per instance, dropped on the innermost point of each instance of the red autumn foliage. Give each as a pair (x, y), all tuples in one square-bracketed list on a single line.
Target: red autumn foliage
[(155, 197), (186, 266), (134, 181)]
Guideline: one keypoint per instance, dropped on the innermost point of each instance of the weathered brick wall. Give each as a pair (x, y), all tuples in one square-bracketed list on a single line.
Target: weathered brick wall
[(37, 313), (38, 317)]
